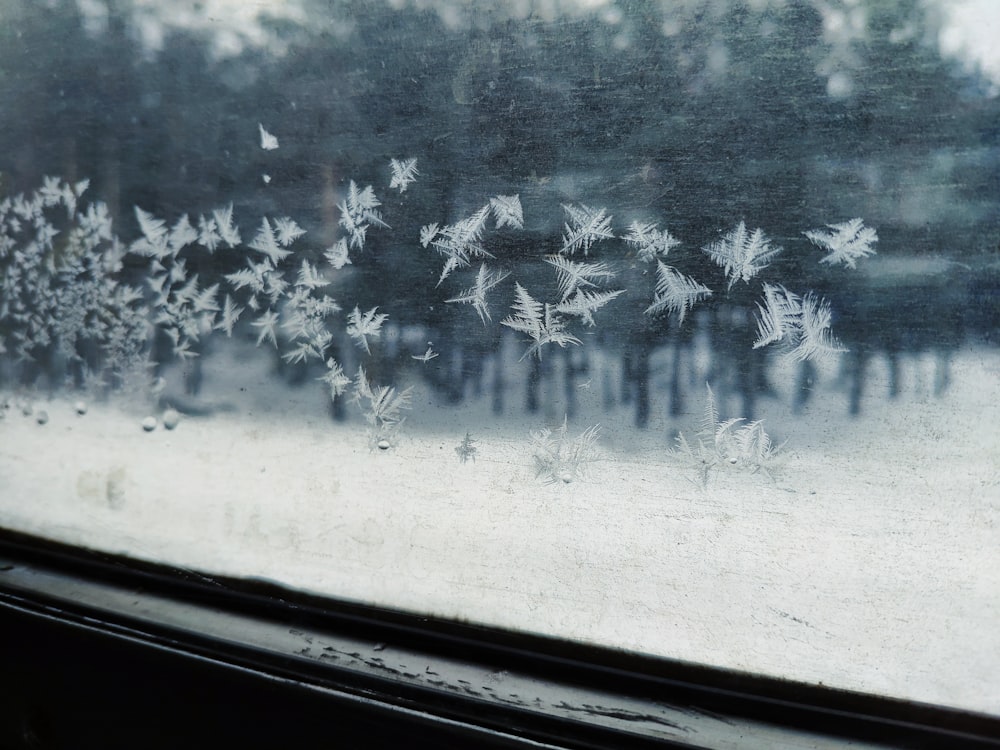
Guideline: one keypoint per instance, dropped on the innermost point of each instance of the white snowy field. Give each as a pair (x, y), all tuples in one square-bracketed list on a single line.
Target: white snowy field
[(870, 562)]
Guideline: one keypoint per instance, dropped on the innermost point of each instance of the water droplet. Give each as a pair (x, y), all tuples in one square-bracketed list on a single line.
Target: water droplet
[(80, 407), (43, 417), (149, 424), (170, 418)]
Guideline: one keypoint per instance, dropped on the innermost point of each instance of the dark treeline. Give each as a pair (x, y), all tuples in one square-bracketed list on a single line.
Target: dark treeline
[(695, 116)]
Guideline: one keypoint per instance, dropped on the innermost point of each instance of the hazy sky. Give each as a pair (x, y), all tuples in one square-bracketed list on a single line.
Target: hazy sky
[(971, 31), (972, 34)]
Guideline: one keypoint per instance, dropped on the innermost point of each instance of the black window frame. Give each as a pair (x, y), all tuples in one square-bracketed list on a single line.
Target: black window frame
[(102, 650)]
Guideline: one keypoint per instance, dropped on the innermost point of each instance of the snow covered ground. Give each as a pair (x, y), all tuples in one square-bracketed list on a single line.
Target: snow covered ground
[(870, 562)]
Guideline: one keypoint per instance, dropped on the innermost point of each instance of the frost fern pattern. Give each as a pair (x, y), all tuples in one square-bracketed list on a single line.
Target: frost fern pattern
[(67, 306)]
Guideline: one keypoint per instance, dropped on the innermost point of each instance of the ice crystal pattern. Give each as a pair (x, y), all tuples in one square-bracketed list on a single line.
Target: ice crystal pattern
[(61, 284), (426, 357), (584, 227), (817, 341), (560, 458), (358, 213), (802, 324), (467, 449), (363, 326), (338, 254), (743, 254), (650, 242), (464, 240), (305, 317), (675, 292), (63, 290), (845, 243), (267, 141), (583, 304), (458, 242), (778, 317), (573, 275), (726, 444), (382, 406), (507, 211), (404, 173), (335, 378), (486, 279), (539, 321)]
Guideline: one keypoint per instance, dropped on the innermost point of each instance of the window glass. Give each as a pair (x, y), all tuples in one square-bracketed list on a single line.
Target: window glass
[(667, 326)]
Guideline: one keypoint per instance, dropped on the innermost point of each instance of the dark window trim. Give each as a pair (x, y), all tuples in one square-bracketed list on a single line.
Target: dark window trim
[(161, 655)]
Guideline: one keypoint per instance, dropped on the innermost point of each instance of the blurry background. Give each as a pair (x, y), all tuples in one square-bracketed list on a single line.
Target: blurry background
[(866, 561), (696, 114)]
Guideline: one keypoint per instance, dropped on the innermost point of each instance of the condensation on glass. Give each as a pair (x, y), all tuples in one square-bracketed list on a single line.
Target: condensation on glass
[(668, 326)]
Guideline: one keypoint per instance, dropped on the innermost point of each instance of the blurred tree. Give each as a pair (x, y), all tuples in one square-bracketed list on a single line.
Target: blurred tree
[(696, 115)]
